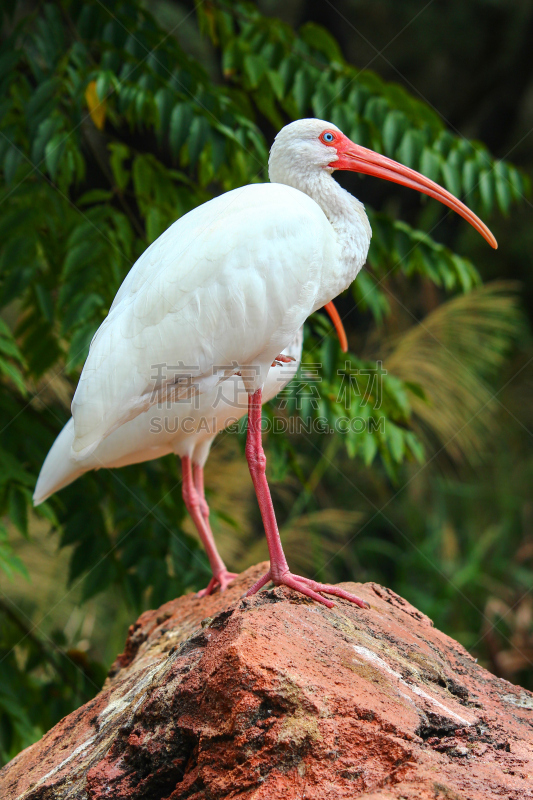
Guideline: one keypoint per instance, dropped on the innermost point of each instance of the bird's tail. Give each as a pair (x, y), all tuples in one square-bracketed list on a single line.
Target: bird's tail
[(59, 469)]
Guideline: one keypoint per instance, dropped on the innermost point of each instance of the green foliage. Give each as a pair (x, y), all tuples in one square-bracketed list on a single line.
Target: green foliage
[(463, 555), (40, 681), (453, 356), (304, 74), (109, 131), (359, 401)]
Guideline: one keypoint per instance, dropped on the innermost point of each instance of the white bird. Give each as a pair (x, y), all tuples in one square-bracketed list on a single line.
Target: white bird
[(225, 289), (186, 428)]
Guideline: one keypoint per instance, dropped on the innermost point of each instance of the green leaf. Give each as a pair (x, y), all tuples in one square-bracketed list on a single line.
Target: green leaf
[(53, 152), (321, 101), (119, 153), (416, 389), (321, 39), (180, 125), (452, 178), (42, 99), (276, 82), (83, 309), (104, 85), (444, 143), (516, 182), (78, 257), (218, 144), (79, 345), (10, 563), (143, 179), (47, 128), (415, 446), (503, 187), (164, 100), (376, 111), (394, 128), (231, 58), (302, 90), (12, 161), (370, 448), (46, 304), (18, 509), (198, 135), (470, 176), (94, 196), (486, 189), (9, 347), (287, 71), (254, 67), (430, 164), (14, 374), (410, 149), (358, 98), (395, 441)]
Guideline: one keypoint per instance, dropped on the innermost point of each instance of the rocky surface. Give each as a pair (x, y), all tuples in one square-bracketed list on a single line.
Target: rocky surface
[(275, 696)]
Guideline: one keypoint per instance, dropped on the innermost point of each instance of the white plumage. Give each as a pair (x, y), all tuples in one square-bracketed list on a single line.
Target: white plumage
[(186, 428)]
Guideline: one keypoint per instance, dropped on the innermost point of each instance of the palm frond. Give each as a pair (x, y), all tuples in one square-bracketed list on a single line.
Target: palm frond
[(454, 356)]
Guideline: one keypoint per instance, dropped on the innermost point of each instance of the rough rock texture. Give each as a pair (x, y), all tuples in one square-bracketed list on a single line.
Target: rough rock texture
[(275, 696)]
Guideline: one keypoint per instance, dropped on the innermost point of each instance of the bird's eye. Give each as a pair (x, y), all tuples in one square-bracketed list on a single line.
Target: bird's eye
[(328, 137)]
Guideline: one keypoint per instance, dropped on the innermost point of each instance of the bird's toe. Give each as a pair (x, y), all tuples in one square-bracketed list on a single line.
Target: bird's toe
[(220, 581), (315, 590), (226, 579)]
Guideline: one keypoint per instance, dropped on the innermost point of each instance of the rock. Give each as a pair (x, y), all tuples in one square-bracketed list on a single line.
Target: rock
[(275, 696)]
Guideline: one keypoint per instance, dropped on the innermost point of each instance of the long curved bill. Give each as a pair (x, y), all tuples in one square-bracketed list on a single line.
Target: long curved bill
[(339, 327), (353, 157)]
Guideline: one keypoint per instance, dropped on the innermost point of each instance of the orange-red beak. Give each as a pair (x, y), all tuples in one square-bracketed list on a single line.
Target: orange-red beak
[(339, 327), (353, 157)]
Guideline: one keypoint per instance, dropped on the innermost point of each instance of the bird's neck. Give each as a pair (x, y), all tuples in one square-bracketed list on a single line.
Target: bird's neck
[(346, 215)]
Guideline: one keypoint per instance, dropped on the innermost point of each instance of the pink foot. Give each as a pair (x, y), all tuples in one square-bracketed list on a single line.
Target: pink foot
[(223, 579), (309, 588), (281, 359)]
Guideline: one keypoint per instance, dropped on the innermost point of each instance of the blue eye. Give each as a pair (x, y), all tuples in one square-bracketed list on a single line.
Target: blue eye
[(327, 137)]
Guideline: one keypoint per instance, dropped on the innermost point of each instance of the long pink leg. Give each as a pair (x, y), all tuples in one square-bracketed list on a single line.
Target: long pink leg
[(197, 508), (223, 578), (279, 571), (198, 479)]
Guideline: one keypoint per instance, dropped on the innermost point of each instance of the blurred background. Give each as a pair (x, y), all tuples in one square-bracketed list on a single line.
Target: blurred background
[(117, 118)]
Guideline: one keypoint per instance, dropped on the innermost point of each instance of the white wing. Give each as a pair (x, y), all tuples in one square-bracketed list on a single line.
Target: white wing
[(153, 434), (229, 283)]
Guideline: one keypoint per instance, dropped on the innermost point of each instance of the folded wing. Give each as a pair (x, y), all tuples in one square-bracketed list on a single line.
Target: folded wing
[(227, 285)]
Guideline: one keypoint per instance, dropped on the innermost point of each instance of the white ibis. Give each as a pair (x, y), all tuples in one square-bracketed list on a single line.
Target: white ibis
[(224, 290)]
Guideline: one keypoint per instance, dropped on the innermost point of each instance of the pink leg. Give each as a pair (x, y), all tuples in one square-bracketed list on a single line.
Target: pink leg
[(223, 579), (198, 479), (197, 508), (279, 571)]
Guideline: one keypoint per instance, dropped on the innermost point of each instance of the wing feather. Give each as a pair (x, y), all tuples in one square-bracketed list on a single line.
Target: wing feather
[(231, 282)]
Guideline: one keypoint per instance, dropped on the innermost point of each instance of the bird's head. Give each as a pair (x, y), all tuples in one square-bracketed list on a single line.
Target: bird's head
[(308, 147)]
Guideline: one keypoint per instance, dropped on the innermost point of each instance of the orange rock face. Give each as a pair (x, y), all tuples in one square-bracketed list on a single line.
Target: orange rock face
[(275, 696)]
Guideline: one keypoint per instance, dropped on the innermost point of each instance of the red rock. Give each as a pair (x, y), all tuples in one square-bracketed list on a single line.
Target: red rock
[(276, 697)]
